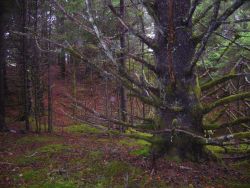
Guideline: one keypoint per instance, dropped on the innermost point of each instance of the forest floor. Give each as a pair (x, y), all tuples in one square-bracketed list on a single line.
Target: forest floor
[(83, 156)]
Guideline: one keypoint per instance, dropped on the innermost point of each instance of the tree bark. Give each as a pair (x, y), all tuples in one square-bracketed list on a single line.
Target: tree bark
[(2, 68), (49, 87), (25, 94), (36, 71), (62, 64), (74, 83), (122, 66), (179, 91), (61, 56)]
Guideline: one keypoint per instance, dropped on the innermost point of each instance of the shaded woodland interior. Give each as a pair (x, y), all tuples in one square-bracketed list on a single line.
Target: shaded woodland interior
[(124, 93)]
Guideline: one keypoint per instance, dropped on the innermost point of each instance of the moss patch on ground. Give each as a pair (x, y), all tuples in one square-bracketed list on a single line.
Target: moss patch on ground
[(141, 152), (53, 148), (56, 184), (40, 155), (41, 178), (219, 151), (29, 176), (243, 166), (140, 147), (34, 175), (133, 131), (24, 160), (237, 185), (96, 171), (83, 128), (37, 139), (134, 142), (91, 162)]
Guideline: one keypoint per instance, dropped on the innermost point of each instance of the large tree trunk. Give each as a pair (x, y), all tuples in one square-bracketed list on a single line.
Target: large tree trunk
[(179, 90)]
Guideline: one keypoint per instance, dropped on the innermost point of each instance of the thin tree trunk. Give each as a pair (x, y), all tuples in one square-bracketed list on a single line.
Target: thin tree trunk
[(2, 68), (107, 103), (62, 64), (122, 67), (74, 86), (61, 56), (36, 72), (24, 68), (50, 125)]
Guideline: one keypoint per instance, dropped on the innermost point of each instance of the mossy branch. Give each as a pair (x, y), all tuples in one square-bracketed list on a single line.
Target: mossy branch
[(239, 135), (238, 121), (137, 136), (147, 100), (217, 81), (226, 100), (208, 141), (219, 115), (221, 139)]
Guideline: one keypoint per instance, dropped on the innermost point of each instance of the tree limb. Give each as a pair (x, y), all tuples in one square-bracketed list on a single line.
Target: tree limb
[(197, 20), (99, 35), (191, 11), (142, 61), (218, 81), (208, 141), (237, 21), (72, 18), (148, 41), (214, 25), (238, 121), (226, 100)]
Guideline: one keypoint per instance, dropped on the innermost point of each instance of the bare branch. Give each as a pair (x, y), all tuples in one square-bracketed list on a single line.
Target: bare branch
[(191, 11), (148, 41), (214, 25), (72, 18), (99, 115), (198, 19), (99, 35), (236, 21), (233, 41), (144, 62)]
